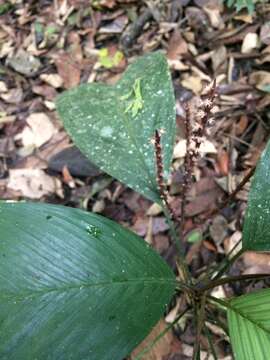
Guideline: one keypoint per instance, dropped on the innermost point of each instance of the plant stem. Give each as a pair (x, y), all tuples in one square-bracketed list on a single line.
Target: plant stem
[(218, 282), (228, 263), (210, 342), (221, 268), (176, 238), (216, 321), (200, 313), (234, 193), (219, 301)]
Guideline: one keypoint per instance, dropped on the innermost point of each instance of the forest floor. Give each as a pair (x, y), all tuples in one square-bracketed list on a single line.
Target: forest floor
[(50, 46)]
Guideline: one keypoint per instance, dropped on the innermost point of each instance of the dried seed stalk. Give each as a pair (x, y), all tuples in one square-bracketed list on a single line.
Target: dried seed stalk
[(194, 137), (159, 172)]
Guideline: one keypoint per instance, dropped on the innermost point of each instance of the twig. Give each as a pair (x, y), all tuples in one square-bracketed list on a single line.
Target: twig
[(228, 263), (218, 282), (200, 323), (135, 29), (222, 267), (210, 342), (231, 196)]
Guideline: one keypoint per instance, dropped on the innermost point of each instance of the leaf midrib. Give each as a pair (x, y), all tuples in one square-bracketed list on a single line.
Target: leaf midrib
[(138, 150), (82, 286)]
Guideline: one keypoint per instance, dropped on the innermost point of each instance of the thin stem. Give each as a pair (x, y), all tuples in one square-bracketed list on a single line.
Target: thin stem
[(228, 263), (150, 346), (222, 267), (182, 263), (200, 312), (167, 209), (216, 321), (185, 286), (218, 282), (210, 342), (236, 191), (223, 303)]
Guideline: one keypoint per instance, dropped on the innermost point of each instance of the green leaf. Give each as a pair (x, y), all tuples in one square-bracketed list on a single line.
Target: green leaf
[(75, 285), (241, 4), (256, 233), (194, 236), (109, 126), (109, 61), (249, 325)]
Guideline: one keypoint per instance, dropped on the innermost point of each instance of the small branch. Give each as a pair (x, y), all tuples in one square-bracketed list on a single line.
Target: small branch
[(228, 264), (221, 268), (200, 324), (210, 342), (135, 29), (214, 283), (231, 196)]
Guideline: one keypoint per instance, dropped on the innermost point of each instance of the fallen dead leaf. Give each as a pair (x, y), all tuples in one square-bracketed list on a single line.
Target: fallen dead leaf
[(69, 70), (154, 210), (214, 15), (250, 43), (219, 57), (12, 96), (207, 147), (34, 183), (54, 80), (204, 202), (162, 348), (218, 229), (232, 241), (40, 129), (260, 79), (261, 261), (3, 87), (24, 63), (177, 46), (193, 83), (98, 206), (223, 162), (265, 33)]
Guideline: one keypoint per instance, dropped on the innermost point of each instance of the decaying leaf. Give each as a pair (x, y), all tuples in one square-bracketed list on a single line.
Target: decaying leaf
[(250, 43), (24, 63), (54, 80), (34, 183), (162, 348), (39, 130), (207, 147), (260, 79)]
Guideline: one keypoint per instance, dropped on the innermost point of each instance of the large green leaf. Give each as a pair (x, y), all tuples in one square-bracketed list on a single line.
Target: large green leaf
[(256, 234), (115, 134), (249, 325), (75, 285)]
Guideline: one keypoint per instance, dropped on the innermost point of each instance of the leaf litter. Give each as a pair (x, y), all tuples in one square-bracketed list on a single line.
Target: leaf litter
[(59, 47)]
